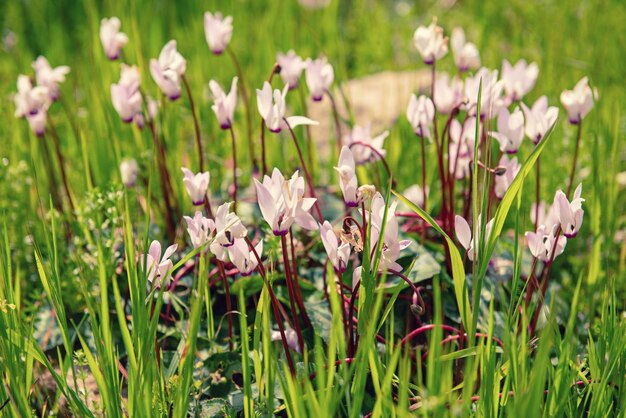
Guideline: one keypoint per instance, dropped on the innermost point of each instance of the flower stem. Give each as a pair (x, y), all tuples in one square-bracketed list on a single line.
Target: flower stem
[(571, 175), (52, 180), (306, 171), (244, 98), (196, 124), (290, 289), (61, 161), (537, 192), (275, 69), (298, 290), (229, 308), (380, 156), (336, 118), (232, 135)]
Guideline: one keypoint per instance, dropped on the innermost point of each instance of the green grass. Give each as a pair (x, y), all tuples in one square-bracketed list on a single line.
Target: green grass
[(74, 301)]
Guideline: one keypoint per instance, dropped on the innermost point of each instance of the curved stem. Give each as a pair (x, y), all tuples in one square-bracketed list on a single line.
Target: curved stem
[(232, 135), (292, 296), (246, 103), (306, 171), (196, 124), (229, 308), (379, 155)]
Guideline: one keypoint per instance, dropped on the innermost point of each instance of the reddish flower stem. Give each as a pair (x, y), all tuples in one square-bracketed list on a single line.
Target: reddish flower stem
[(232, 136), (196, 124), (229, 308), (290, 289)]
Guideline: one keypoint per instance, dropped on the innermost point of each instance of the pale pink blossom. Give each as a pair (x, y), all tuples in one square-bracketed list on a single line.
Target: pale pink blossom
[(578, 102), (319, 76), (112, 39), (200, 229), (291, 67), (420, 114), (272, 109), (348, 181), (217, 30), (415, 194), (168, 70), (518, 79), (196, 185), (282, 202), (503, 182), (158, 269), (543, 243), (448, 93), (244, 259), (430, 42), (466, 54), (510, 131), (338, 252), (491, 97), (392, 244), (49, 77), (466, 238), (224, 104), (539, 119), (32, 104), (543, 215), (462, 147), (129, 171), (126, 96), (570, 213), (228, 228), (360, 139)]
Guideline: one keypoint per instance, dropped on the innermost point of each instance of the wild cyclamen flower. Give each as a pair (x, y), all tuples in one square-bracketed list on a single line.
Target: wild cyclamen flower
[(200, 229), (129, 171), (49, 77), (319, 76), (542, 243), (541, 216), (570, 213), (168, 70), (218, 30), (392, 245), (338, 252), (491, 97), (272, 108), (462, 147), (503, 182), (361, 137), (32, 103), (282, 202), (197, 185), (414, 194), (466, 54), (112, 39), (518, 79), (578, 102), (448, 93), (224, 104), (430, 42), (228, 228), (126, 96), (539, 119), (348, 181), (291, 67), (510, 130), (291, 336), (464, 234), (244, 259), (158, 269), (420, 114)]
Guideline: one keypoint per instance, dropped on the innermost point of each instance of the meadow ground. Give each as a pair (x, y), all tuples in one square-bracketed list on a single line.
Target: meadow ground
[(319, 327)]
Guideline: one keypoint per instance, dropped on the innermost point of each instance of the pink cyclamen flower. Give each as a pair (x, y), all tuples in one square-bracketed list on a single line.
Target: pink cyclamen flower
[(200, 229), (319, 76), (503, 182), (462, 147), (464, 235), (539, 119), (518, 79), (420, 114), (217, 30), (291, 336), (197, 185), (570, 213), (291, 67), (448, 93), (244, 259), (360, 142), (544, 216), (158, 269), (32, 104), (126, 96), (491, 97), (228, 228), (415, 194), (50, 77), (338, 252), (168, 70), (112, 39), (272, 109), (510, 130), (543, 243), (282, 202), (348, 181), (430, 42), (578, 102), (224, 104), (466, 54), (129, 171), (391, 245)]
